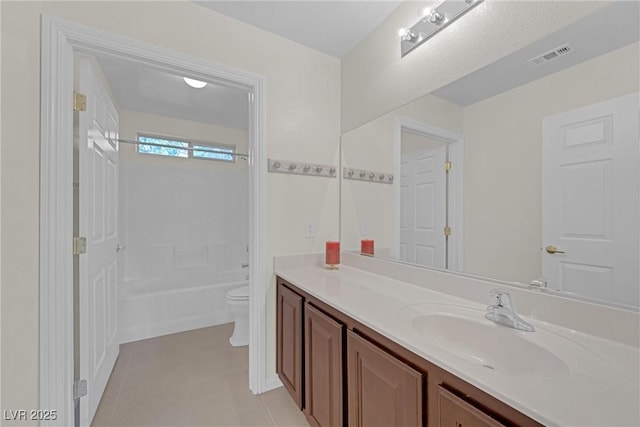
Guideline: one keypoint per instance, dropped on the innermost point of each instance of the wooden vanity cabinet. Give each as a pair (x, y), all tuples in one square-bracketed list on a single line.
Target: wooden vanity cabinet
[(383, 391), (310, 357), (341, 372), (324, 373), (289, 330)]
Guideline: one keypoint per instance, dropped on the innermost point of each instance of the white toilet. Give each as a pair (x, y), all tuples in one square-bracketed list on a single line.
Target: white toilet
[(238, 300)]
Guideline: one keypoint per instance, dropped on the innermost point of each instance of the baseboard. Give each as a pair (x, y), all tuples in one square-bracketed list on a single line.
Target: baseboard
[(164, 327), (272, 382)]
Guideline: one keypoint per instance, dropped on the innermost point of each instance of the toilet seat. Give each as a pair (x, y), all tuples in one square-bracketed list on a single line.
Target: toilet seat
[(239, 294)]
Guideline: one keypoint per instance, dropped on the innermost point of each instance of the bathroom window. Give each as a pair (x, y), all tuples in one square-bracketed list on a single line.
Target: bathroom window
[(174, 147), (214, 152)]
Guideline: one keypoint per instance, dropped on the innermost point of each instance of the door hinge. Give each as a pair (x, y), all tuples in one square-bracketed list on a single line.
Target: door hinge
[(447, 165), (80, 389), (447, 231), (79, 102), (79, 245)]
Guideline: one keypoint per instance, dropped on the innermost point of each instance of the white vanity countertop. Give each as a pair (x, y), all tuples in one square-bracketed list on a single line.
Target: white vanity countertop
[(601, 386)]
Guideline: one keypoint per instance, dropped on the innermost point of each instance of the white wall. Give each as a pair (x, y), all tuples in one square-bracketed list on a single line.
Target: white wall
[(376, 80), (503, 164), (302, 123), (412, 143), (180, 216)]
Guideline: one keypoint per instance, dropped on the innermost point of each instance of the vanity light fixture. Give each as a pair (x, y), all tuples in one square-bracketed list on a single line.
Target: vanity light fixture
[(433, 20), (194, 83)]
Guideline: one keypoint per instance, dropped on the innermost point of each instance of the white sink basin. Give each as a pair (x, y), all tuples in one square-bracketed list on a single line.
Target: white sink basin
[(465, 333)]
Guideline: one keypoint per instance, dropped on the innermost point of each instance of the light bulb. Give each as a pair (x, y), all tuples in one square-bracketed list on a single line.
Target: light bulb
[(425, 12), (436, 17), (194, 83), (406, 35), (431, 15)]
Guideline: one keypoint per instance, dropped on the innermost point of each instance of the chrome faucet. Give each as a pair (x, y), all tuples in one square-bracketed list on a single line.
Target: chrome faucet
[(502, 312)]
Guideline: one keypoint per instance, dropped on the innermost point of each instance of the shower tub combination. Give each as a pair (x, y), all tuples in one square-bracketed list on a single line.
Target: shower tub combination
[(149, 308)]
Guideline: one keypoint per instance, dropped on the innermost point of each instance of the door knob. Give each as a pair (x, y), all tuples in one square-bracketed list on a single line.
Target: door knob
[(553, 250)]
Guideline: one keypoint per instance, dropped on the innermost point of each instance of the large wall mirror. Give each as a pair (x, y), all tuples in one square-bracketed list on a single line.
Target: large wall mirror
[(525, 170)]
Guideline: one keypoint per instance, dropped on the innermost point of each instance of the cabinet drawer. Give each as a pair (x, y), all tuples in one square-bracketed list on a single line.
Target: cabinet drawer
[(455, 412)]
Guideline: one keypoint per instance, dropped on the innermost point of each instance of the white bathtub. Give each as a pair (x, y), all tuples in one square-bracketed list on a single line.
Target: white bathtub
[(153, 307)]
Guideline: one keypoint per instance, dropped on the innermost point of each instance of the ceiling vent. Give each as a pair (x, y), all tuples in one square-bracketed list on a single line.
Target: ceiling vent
[(551, 55)]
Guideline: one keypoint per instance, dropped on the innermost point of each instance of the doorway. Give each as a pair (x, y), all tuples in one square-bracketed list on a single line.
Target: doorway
[(424, 183), (429, 229), (60, 41)]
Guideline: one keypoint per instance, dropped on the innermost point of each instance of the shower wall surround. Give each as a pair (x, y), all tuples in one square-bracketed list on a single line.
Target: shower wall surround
[(181, 218)]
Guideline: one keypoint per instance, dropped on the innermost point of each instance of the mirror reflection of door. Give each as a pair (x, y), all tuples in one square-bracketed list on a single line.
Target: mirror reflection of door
[(590, 200), (423, 200)]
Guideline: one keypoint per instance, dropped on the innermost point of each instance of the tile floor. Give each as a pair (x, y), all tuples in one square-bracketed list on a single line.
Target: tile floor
[(193, 378)]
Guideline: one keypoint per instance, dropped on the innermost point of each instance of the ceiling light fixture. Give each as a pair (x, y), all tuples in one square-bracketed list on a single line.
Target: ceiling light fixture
[(433, 20), (194, 83)]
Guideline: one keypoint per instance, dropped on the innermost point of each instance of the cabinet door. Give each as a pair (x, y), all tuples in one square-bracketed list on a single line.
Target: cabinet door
[(289, 341), (323, 368), (382, 390), (455, 412)]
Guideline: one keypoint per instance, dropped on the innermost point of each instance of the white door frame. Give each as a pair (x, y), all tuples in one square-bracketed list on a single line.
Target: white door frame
[(456, 181), (60, 40)]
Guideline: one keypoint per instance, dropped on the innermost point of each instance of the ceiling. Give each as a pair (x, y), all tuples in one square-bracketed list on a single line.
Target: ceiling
[(613, 27), (137, 87), (331, 26), (327, 25)]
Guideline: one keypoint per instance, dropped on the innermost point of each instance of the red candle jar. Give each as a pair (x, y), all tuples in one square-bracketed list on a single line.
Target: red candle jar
[(366, 247), (332, 255)]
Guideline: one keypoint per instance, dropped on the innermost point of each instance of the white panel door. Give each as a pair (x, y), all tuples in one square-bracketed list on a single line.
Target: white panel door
[(98, 222), (590, 207), (422, 207)]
